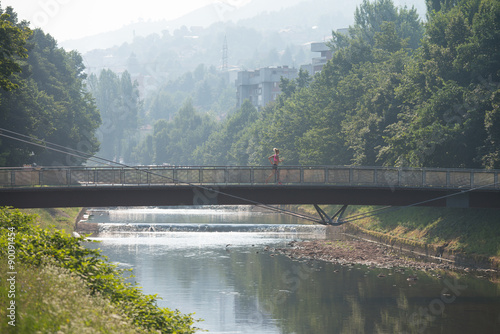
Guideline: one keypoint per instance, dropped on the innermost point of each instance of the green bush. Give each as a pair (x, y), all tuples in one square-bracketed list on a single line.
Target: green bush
[(38, 247), (50, 299)]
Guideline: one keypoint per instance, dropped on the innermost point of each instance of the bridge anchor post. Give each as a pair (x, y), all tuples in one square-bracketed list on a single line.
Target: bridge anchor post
[(330, 221)]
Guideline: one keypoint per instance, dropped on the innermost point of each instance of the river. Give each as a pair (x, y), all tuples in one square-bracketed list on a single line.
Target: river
[(219, 264)]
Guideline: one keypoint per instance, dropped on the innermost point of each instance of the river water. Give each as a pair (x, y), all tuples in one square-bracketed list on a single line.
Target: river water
[(218, 264)]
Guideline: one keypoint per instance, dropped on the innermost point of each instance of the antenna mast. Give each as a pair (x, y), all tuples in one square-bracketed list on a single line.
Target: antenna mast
[(224, 55)]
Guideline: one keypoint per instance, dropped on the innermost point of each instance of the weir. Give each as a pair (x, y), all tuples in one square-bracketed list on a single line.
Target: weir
[(250, 228), (157, 221)]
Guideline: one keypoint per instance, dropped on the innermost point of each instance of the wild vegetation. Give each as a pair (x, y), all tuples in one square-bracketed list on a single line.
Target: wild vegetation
[(471, 233), (55, 218), (398, 92), (387, 99), (43, 96), (64, 260)]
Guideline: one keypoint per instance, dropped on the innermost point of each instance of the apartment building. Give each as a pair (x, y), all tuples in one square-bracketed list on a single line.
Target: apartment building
[(263, 85), (325, 54)]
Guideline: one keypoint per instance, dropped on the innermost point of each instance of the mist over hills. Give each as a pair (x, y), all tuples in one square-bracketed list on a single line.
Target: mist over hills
[(260, 33), (222, 11), (256, 14)]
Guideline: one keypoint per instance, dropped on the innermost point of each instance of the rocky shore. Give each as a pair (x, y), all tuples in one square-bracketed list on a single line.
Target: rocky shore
[(350, 252)]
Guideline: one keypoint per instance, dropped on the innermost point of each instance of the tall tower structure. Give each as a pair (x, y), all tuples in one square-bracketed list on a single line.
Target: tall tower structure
[(224, 55)]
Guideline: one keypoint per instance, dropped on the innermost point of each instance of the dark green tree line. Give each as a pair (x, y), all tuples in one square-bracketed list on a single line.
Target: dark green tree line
[(174, 142), (397, 92), (13, 36), (232, 142), (46, 99), (117, 99), (449, 114)]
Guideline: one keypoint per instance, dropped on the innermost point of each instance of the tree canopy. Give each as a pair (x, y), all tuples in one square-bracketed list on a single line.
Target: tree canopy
[(117, 99), (13, 38), (398, 92), (45, 98)]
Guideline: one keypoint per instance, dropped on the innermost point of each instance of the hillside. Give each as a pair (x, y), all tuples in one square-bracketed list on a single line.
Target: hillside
[(256, 33)]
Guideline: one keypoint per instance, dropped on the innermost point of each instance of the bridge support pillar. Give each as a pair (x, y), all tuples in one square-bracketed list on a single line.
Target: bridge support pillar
[(331, 221)]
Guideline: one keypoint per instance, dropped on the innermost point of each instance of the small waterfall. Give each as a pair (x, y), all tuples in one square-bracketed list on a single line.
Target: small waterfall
[(252, 228), (137, 222)]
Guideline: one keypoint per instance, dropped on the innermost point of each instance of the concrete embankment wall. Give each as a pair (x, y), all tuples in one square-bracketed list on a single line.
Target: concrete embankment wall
[(83, 226)]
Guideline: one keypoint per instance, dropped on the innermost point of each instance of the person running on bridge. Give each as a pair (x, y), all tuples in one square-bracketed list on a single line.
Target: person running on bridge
[(275, 160)]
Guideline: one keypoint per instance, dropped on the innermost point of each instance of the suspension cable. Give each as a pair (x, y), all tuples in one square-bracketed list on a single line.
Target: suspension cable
[(83, 155), (392, 208), (94, 158)]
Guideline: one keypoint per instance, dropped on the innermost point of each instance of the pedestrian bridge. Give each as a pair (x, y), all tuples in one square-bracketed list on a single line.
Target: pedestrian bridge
[(31, 187)]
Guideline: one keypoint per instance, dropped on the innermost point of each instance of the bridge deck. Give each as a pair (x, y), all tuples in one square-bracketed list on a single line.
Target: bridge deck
[(107, 186)]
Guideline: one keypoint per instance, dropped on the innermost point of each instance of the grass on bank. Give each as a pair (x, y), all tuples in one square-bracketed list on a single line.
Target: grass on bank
[(59, 218), (39, 251), (50, 299), (467, 231)]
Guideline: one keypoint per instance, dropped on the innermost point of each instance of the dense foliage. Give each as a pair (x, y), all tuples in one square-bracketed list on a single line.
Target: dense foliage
[(39, 247), (233, 142), (117, 99), (173, 142), (209, 90), (397, 92), (12, 44), (44, 97), (168, 124)]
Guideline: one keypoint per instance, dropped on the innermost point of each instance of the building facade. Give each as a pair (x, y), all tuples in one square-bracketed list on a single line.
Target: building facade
[(263, 85), (325, 54)]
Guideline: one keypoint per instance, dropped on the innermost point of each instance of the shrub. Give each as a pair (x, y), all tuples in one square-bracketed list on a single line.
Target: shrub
[(38, 247)]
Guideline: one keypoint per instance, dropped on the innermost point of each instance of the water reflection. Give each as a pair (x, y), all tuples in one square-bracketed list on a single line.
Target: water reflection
[(234, 282), (243, 288), (239, 214)]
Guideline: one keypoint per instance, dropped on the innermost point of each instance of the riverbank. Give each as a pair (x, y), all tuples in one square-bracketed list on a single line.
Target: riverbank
[(466, 237), (40, 261), (50, 299), (59, 218), (374, 255)]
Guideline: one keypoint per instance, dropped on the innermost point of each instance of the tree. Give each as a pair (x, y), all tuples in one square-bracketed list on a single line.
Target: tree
[(50, 103), (175, 141), (117, 98), (449, 91), (228, 145), (491, 150), (13, 39), (440, 5)]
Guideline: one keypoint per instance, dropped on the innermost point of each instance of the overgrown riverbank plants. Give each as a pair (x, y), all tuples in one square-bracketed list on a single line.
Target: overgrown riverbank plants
[(42, 249)]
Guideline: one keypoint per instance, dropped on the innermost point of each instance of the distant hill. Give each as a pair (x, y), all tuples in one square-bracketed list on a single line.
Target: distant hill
[(222, 11), (257, 14), (260, 33)]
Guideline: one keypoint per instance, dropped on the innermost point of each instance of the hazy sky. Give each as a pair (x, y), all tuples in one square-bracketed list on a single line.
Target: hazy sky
[(73, 19), (70, 19)]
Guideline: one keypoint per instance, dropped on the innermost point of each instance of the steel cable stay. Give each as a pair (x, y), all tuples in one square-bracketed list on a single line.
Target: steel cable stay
[(395, 208), (325, 220), (94, 158)]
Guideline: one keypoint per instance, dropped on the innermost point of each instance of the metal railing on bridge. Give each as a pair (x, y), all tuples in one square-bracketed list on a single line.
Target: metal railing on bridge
[(226, 175)]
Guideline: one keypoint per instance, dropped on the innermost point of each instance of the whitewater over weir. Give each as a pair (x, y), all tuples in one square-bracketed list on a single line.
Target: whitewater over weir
[(233, 219)]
